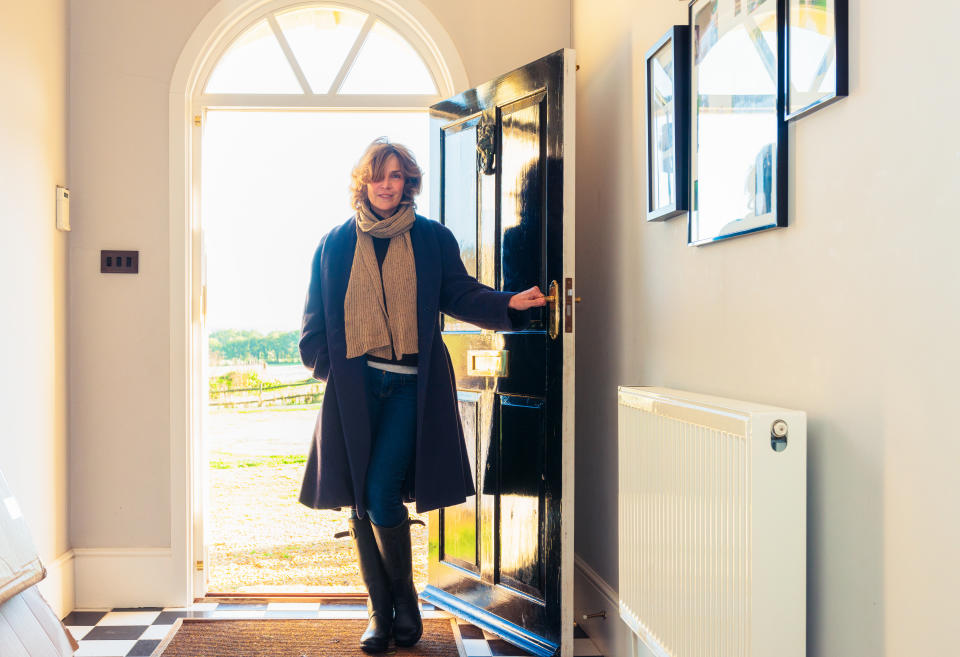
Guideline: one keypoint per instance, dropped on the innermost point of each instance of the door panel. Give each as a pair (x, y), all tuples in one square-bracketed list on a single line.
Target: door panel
[(503, 559), (520, 494), (459, 533), (460, 204), (521, 192)]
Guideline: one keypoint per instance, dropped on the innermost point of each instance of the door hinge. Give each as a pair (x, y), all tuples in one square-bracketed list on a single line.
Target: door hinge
[(196, 120), (199, 564)]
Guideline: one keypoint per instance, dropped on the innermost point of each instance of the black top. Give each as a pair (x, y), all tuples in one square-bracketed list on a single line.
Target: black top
[(380, 246)]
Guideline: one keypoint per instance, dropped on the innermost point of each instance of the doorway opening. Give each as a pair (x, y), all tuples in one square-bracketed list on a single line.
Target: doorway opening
[(273, 183), (288, 104)]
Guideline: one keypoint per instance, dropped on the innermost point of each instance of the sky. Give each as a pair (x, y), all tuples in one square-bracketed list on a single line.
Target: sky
[(273, 183)]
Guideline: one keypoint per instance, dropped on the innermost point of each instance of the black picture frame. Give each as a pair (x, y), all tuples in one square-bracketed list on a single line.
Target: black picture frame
[(800, 66), (668, 143), (738, 135)]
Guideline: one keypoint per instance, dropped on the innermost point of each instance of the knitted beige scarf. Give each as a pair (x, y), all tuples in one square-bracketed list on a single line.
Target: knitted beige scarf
[(372, 327)]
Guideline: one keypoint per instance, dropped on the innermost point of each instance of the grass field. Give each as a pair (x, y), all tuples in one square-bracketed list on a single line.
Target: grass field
[(260, 538)]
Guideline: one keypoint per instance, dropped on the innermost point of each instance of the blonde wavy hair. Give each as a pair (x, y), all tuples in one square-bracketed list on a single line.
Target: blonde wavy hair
[(370, 168)]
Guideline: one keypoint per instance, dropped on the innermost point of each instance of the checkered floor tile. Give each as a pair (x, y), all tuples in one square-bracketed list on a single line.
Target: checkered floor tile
[(137, 632)]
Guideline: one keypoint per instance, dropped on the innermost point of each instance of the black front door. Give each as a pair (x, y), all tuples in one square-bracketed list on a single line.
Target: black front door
[(503, 182)]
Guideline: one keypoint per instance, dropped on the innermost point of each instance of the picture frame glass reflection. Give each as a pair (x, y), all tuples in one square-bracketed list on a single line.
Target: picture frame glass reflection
[(811, 53), (662, 128), (735, 122)]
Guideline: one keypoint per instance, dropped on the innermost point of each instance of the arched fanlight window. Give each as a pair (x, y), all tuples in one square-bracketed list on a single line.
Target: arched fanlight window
[(320, 55)]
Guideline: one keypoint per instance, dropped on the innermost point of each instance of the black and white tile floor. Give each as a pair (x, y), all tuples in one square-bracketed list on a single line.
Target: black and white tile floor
[(136, 632)]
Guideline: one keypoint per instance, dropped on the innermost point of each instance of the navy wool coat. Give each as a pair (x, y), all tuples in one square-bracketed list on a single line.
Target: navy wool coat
[(337, 466)]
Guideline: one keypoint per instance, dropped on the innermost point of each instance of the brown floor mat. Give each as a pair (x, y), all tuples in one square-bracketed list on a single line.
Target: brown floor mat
[(293, 637)]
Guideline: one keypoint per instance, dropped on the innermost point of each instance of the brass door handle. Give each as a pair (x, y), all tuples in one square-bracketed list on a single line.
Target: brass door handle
[(553, 298), (554, 316), (554, 308)]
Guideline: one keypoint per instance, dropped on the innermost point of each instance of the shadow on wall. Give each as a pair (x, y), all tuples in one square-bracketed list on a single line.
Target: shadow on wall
[(832, 456)]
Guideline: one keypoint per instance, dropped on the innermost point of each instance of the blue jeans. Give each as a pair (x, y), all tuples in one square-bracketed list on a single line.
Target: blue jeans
[(392, 402)]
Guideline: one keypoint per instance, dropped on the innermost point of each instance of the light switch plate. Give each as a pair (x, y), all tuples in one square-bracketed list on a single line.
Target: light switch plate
[(119, 262), (63, 208)]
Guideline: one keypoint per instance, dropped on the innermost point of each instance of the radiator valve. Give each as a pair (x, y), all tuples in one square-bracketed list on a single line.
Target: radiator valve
[(778, 435)]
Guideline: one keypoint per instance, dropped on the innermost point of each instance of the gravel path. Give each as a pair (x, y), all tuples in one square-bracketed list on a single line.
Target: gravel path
[(260, 537)]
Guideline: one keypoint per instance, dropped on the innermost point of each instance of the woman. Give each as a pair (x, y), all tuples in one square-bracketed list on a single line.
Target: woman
[(389, 430)]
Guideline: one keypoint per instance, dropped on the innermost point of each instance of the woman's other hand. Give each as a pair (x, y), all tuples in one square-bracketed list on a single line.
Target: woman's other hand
[(527, 299)]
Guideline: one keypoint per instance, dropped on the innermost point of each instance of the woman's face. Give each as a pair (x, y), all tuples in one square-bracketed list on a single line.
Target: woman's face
[(385, 194)]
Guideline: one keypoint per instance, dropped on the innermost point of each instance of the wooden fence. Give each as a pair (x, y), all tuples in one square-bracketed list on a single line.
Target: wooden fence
[(308, 391)]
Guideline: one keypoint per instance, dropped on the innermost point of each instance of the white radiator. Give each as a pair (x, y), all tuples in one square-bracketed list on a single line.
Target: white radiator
[(712, 525)]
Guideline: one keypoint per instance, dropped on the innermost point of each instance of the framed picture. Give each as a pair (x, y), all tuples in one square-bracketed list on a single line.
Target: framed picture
[(668, 124), (817, 53), (738, 138)]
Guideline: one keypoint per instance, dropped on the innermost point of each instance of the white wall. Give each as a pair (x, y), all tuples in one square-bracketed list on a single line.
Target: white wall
[(849, 314), (122, 57), (33, 266), (499, 36)]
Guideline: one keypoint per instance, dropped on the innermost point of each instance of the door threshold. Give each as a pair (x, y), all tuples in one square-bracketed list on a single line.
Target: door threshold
[(252, 598)]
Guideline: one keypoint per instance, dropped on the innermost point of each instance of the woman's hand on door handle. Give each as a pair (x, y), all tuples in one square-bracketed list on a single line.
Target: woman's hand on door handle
[(527, 299)]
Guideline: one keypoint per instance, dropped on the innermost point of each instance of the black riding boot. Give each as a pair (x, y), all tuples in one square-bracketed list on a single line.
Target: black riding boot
[(397, 558), (380, 601)]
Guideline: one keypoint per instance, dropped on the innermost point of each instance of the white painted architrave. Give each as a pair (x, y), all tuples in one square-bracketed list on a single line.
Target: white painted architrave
[(210, 39)]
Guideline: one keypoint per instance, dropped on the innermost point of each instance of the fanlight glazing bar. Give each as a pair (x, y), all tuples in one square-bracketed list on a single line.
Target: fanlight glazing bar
[(288, 52), (352, 55)]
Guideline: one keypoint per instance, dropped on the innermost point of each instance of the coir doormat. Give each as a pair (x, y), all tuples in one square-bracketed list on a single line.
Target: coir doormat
[(293, 637)]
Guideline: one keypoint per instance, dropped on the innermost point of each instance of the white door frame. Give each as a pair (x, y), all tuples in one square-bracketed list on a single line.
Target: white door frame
[(212, 37)]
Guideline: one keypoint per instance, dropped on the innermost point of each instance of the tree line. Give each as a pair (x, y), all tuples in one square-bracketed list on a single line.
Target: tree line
[(236, 345)]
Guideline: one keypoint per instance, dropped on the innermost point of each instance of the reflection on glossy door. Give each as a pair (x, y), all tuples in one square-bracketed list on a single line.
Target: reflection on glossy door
[(460, 522)]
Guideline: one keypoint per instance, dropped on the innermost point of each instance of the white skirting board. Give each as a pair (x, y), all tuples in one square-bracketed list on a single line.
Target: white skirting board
[(127, 577), (58, 586), (591, 594)]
